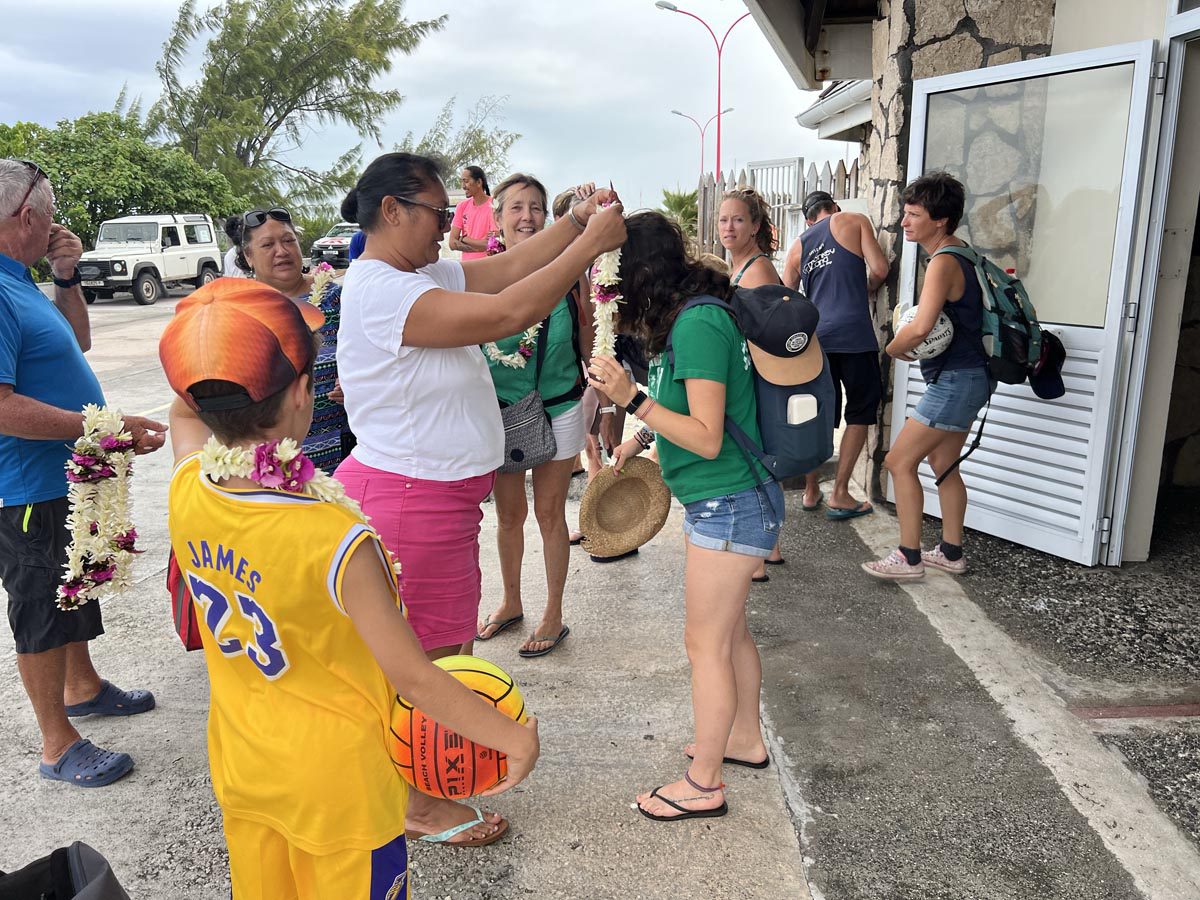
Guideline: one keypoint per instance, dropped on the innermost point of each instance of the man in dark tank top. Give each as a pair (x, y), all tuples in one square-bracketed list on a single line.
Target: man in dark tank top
[(838, 262)]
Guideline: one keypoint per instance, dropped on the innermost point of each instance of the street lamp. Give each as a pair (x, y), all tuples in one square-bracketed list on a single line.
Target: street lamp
[(720, 45), (703, 128)]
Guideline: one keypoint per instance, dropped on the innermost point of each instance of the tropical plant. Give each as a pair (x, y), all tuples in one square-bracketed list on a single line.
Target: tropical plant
[(682, 207)]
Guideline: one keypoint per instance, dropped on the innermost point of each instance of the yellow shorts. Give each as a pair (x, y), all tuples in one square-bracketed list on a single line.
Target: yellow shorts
[(263, 865)]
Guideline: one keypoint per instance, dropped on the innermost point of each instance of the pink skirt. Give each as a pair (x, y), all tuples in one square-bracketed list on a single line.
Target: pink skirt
[(432, 528)]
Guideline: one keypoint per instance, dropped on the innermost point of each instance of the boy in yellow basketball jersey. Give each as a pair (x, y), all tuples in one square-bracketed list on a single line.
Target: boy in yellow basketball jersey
[(304, 635)]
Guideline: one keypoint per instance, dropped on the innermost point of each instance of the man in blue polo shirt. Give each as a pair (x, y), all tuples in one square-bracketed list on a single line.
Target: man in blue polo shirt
[(44, 384)]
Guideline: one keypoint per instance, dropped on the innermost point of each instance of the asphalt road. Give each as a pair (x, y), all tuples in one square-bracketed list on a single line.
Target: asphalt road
[(921, 749)]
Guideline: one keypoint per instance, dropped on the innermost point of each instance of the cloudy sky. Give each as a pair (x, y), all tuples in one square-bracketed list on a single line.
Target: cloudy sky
[(590, 83)]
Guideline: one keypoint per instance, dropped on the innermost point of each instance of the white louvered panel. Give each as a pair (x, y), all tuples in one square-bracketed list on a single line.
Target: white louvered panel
[(1031, 467)]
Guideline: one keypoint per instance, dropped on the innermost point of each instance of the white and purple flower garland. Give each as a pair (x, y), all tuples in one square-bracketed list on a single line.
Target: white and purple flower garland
[(102, 532), (606, 294)]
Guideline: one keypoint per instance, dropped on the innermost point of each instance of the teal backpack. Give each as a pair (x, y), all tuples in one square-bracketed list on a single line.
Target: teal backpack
[(1012, 337)]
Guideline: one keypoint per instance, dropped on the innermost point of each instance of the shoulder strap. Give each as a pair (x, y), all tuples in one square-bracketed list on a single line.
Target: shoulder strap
[(576, 390), (692, 303), (974, 445), (738, 277)]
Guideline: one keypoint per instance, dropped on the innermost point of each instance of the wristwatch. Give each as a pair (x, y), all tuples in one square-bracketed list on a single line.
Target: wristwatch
[(69, 282), (633, 405)]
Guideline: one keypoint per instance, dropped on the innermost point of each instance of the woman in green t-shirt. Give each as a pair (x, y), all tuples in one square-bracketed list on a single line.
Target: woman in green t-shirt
[(732, 509), (519, 205)]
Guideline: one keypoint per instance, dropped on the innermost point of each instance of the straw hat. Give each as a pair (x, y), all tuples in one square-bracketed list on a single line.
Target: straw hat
[(619, 513)]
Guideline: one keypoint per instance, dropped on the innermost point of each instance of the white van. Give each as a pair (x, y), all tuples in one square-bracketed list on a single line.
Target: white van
[(147, 254)]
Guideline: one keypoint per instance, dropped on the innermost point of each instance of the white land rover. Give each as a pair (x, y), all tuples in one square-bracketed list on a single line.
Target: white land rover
[(148, 254)]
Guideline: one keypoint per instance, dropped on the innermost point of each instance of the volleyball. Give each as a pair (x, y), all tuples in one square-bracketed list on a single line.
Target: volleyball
[(440, 762), (935, 342)]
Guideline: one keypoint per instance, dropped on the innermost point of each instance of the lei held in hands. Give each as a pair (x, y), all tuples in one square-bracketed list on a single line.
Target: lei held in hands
[(606, 294), (527, 345), (102, 532), (278, 465)]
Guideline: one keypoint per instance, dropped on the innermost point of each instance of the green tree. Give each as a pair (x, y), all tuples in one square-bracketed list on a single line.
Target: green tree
[(101, 166), (682, 207), (272, 71), (479, 141)]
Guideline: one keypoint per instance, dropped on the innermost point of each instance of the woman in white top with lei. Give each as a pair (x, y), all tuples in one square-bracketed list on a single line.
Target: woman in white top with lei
[(421, 402)]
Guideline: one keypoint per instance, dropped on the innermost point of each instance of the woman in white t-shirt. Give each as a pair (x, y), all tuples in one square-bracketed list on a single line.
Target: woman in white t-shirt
[(421, 402)]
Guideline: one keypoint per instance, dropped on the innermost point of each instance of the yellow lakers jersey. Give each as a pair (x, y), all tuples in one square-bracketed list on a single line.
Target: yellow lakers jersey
[(299, 715)]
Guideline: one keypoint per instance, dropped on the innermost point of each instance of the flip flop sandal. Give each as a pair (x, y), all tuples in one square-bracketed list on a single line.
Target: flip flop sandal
[(576, 541), (761, 579), (775, 562), (530, 654), (500, 624), (744, 763), (815, 506), (112, 701), (443, 837), (86, 765), (684, 812), (838, 513), (609, 559)]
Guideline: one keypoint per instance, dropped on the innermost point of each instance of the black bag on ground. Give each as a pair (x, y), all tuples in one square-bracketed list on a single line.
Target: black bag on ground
[(70, 873)]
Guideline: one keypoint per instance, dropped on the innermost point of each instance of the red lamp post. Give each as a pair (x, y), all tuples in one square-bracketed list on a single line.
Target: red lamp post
[(720, 45), (703, 128)]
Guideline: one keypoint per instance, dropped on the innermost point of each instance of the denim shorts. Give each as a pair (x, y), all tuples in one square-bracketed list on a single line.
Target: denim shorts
[(747, 522), (952, 402)]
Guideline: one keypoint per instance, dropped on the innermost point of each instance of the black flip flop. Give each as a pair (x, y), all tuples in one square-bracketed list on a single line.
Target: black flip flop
[(500, 626), (608, 559), (744, 763), (530, 654), (575, 542), (684, 812), (761, 579), (775, 562)]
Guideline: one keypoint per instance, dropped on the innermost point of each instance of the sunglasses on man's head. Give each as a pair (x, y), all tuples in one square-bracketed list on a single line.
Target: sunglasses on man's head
[(38, 174), (444, 213), (256, 217)]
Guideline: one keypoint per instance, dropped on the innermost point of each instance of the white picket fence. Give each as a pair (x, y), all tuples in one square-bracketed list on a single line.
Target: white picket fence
[(783, 183)]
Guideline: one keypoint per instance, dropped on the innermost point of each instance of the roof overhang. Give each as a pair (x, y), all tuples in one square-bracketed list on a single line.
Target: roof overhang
[(839, 113), (818, 40)]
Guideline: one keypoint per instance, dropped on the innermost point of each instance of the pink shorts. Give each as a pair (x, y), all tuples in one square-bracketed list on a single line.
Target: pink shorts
[(432, 528)]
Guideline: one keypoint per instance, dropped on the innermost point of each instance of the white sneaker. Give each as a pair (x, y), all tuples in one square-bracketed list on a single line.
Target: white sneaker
[(894, 567), (938, 560)]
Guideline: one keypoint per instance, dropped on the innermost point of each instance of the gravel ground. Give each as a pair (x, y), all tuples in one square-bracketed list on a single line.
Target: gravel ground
[(1138, 622), (1170, 763)]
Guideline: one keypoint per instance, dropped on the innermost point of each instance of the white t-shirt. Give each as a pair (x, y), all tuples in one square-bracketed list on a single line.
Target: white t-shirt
[(419, 411), (232, 269)]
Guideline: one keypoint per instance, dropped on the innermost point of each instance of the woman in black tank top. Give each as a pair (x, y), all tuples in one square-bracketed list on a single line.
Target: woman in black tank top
[(744, 226), (958, 385)]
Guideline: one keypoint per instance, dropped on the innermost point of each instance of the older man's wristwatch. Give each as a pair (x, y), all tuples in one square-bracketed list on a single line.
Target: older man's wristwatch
[(69, 282)]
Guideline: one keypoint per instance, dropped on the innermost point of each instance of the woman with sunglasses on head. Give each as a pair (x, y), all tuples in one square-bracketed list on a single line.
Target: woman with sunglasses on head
[(473, 217), (744, 227), (422, 403), (269, 251)]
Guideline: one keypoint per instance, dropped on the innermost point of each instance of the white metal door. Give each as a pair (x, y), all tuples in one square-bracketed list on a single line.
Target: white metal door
[(1050, 152)]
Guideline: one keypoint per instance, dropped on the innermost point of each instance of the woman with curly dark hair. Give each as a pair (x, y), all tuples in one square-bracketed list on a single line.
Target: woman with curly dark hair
[(732, 508)]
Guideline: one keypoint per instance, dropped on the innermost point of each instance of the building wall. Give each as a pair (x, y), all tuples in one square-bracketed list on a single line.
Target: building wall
[(920, 39)]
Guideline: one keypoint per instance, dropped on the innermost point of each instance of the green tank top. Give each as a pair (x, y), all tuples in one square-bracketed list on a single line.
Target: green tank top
[(560, 366)]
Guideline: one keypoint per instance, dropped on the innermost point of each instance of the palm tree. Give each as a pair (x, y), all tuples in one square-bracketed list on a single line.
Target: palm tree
[(682, 207)]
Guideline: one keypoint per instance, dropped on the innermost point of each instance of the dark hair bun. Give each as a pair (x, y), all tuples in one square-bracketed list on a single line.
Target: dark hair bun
[(233, 229), (350, 206)]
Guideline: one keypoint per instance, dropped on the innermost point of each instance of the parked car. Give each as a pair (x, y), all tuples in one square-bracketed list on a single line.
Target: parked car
[(146, 255), (334, 247)]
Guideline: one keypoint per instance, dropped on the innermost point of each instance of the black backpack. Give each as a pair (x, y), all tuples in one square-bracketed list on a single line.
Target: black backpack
[(787, 451), (70, 873)]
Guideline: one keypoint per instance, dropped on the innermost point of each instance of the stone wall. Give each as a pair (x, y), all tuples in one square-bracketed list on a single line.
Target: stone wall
[(919, 39)]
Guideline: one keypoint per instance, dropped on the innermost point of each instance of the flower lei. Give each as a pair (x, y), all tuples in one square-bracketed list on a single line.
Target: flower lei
[(606, 294), (321, 281), (102, 532), (279, 465), (528, 342)]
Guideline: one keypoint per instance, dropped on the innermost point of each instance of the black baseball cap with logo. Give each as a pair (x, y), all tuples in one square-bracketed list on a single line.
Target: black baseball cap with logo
[(815, 199), (780, 325)]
